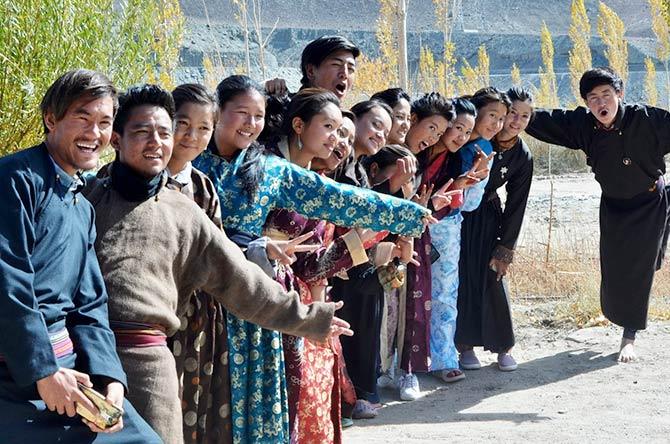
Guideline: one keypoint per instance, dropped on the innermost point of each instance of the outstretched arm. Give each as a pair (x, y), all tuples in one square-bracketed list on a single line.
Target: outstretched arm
[(560, 127), (218, 267), (319, 197)]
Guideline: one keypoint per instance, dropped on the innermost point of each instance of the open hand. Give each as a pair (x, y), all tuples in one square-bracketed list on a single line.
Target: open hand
[(405, 170), (339, 326)]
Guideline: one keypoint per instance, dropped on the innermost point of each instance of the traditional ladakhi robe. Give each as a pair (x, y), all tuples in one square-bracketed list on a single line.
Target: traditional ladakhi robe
[(290, 187), (446, 236), (200, 345), (156, 247), (415, 354), (484, 316), (628, 162), (312, 368), (53, 312), (363, 297)]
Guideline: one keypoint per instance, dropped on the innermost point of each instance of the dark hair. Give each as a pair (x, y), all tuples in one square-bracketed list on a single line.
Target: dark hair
[(599, 76), (386, 156), (433, 104), (464, 106), (348, 114), (233, 86), (523, 95), (138, 96), (391, 96), (317, 50), (72, 86), (364, 107), (489, 95), (307, 103), (252, 169), (192, 93)]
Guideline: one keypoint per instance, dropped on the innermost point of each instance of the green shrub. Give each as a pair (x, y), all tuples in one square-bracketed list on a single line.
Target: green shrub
[(42, 39)]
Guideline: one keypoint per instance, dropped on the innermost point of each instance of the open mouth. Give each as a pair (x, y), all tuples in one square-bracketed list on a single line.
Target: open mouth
[(87, 147), (244, 133), (341, 88), (338, 154), (423, 145), (603, 113)]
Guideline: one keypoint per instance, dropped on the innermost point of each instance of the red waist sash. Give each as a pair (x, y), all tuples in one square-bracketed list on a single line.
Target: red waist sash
[(136, 334)]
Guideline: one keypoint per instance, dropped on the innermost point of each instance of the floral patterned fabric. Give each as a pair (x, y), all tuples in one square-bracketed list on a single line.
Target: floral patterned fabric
[(446, 238), (291, 187), (446, 235), (416, 351), (258, 388)]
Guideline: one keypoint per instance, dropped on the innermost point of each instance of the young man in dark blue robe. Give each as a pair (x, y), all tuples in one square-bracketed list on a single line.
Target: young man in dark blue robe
[(625, 145), (54, 328)]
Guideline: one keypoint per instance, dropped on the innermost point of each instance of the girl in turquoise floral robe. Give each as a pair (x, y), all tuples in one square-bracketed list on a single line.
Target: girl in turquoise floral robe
[(250, 184)]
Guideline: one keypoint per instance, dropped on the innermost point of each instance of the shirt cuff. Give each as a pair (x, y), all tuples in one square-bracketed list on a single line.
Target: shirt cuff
[(355, 247), (503, 254)]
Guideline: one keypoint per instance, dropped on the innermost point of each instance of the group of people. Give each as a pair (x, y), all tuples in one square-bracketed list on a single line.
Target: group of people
[(194, 280)]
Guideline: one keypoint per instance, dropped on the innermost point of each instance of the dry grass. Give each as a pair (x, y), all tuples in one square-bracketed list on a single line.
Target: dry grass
[(571, 278)]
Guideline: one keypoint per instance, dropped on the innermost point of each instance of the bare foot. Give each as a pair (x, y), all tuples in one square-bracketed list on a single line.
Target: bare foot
[(627, 351)]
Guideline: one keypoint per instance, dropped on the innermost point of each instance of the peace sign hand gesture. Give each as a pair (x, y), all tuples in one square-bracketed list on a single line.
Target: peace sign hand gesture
[(284, 250), (442, 198)]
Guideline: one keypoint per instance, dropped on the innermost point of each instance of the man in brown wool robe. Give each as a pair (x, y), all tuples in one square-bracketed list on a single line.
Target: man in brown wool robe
[(155, 247)]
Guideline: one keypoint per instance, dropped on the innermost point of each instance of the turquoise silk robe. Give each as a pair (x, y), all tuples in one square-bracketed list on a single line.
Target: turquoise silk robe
[(258, 385)]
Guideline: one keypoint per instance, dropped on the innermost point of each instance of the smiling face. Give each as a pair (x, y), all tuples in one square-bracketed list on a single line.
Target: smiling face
[(401, 122), (146, 143), (194, 125), (490, 120), (240, 122), (75, 141), (517, 120), (319, 135), (336, 73), (459, 133), (425, 132), (603, 102), (372, 129), (343, 149)]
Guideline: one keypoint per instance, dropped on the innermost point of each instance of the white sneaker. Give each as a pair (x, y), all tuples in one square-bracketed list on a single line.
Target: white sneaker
[(409, 387), (386, 380)]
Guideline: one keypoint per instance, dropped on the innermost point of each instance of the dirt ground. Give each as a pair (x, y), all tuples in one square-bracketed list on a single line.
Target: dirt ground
[(568, 387)]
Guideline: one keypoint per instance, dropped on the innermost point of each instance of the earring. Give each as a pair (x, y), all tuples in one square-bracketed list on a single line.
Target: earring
[(299, 143)]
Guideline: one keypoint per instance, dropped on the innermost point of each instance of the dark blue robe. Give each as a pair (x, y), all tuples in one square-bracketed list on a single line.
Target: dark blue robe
[(49, 280)]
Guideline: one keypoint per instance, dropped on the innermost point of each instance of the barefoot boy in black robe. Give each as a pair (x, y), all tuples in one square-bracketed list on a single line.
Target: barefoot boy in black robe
[(625, 145)]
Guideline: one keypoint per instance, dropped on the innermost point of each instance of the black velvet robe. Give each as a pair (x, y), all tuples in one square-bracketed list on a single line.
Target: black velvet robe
[(484, 317), (628, 162)]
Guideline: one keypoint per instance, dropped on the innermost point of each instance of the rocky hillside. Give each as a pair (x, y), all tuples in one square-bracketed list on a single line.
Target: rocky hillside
[(509, 28)]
